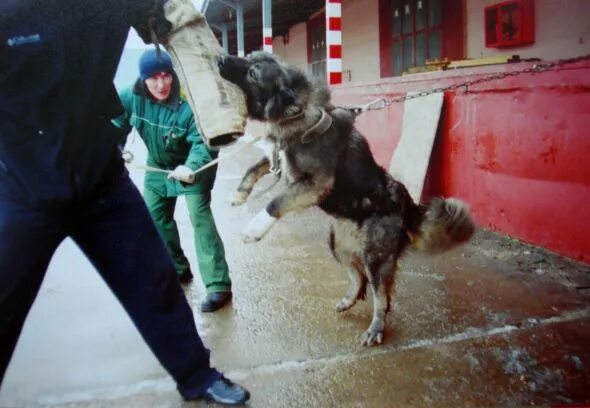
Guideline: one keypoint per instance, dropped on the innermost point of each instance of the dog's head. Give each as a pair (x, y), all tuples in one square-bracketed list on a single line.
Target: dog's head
[(274, 92)]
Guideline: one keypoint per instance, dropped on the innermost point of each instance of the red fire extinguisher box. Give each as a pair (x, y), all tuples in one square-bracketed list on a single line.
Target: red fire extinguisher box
[(510, 23)]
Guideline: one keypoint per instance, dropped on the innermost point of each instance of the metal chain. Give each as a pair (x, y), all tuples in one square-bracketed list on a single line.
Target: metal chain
[(382, 103)]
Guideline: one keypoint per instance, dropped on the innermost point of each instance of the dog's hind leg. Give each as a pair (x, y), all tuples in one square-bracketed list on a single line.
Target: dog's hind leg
[(381, 280), (357, 287), (344, 242), (253, 174)]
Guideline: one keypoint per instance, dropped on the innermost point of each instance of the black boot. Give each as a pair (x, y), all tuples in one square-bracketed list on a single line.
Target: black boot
[(215, 301)]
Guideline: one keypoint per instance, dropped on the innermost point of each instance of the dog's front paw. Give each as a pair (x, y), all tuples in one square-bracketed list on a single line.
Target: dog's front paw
[(238, 198), (248, 239), (258, 227), (370, 338), (344, 304)]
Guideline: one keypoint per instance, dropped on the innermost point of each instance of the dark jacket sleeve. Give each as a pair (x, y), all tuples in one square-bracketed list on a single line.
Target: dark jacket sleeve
[(123, 121)]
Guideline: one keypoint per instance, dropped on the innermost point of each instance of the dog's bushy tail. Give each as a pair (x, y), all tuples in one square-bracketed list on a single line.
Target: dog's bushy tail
[(445, 224)]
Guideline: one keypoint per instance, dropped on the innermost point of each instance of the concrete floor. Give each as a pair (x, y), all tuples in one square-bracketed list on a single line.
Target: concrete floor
[(494, 323)]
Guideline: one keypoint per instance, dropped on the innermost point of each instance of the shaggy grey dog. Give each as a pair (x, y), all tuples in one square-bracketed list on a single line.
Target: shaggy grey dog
[(327, 163)]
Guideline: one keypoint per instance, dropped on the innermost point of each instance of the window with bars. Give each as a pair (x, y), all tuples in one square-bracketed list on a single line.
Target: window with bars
[(416, 33), (317, 53)]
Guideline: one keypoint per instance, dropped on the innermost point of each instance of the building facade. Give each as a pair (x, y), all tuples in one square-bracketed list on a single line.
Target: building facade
[(515, 148)]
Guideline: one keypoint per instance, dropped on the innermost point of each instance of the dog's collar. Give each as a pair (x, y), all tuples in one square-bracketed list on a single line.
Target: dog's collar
[(318, 129)]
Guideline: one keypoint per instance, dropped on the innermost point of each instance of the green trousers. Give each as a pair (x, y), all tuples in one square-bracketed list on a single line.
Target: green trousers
[(208, 245)]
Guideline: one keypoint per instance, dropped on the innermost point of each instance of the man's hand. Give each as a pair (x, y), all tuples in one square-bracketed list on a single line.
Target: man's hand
[(127, 156), (183, 173)]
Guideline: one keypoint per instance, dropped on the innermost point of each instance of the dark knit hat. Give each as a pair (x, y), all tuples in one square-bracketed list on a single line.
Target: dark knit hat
[(150, 64)]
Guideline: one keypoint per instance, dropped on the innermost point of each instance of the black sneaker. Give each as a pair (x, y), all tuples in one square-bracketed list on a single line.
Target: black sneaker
[(215, 301), (185, 277), (223, 391)]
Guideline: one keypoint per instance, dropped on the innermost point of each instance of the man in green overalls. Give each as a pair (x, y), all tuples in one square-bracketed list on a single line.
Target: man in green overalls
[(155, 107)]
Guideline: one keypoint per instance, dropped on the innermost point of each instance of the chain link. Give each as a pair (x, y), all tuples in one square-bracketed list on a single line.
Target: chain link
[(382, 103)]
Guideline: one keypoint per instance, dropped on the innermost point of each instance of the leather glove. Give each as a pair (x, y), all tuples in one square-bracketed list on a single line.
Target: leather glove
[(149, 21), (183, 173)]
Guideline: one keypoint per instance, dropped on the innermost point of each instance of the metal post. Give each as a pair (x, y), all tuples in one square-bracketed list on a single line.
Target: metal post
[(204, 6), (224, 40), (240, 27), (267, 26)]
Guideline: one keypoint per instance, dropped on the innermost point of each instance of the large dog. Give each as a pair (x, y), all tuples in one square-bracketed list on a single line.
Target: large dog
[(327, 163)]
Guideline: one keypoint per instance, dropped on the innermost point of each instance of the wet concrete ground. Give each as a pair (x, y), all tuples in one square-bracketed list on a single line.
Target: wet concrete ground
[(494, 323)]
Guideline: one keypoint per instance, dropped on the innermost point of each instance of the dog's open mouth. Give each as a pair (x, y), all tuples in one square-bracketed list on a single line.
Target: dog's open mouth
[(293, 111)]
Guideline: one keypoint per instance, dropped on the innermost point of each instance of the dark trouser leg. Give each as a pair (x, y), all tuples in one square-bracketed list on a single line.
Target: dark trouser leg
[(28, 239), (162, 211), (208, 244), (120, 239)]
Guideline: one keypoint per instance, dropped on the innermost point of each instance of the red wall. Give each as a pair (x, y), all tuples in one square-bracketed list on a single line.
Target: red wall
[(516, 149)]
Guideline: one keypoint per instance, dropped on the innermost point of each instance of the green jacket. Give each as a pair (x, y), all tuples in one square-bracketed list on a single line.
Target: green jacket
[(170, 134)]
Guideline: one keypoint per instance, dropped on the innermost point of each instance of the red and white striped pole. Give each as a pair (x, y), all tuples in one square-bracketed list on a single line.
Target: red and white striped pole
[(267, 39), (334, 41), (267, 26)]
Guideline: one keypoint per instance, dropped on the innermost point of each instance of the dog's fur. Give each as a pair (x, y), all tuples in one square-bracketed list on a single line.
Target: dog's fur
[(376, 219)]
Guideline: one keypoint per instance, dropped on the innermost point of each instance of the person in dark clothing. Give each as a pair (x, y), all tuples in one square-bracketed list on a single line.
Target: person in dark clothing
[(61, 175)]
